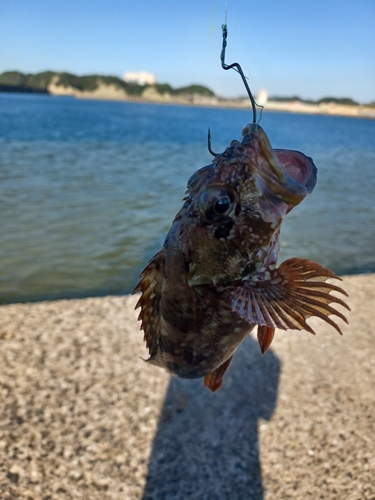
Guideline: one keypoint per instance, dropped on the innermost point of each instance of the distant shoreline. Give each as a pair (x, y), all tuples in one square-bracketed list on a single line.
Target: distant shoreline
[(328, 109), (113, 88), (151, 95), (298, 107)]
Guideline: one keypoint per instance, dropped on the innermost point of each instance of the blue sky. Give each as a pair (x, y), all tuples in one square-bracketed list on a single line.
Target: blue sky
[(290, 47)]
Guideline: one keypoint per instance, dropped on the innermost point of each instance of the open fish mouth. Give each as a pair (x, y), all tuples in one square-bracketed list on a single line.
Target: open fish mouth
[(299, 166), (284, 177)]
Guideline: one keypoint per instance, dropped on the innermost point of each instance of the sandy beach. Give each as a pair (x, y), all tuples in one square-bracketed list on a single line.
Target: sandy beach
[(83, 417)]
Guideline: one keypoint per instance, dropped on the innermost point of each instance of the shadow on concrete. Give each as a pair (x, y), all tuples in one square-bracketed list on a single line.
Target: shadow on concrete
[(206, 444)]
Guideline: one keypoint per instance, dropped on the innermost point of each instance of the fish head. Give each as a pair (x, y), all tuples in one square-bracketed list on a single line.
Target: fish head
[(229, 226)]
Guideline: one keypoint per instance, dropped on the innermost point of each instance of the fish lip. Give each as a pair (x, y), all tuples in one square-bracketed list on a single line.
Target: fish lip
[(287, 175)]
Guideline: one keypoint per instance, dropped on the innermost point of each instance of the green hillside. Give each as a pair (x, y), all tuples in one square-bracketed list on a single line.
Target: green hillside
[(15, 81)]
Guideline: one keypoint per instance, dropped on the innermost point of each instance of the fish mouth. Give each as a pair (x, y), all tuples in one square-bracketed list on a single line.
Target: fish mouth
[(299, 166), (284, 176)]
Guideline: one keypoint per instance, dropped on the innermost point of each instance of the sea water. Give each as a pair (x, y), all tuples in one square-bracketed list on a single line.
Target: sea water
[(88, 189)]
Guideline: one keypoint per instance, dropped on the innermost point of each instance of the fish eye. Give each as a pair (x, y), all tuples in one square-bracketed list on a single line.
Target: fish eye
[(216, 203), (221, 206)]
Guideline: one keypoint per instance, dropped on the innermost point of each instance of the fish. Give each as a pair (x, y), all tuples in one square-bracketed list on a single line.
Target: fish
[(216, 277)]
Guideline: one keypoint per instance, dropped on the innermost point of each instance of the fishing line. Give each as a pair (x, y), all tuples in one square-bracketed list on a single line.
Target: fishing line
[(237, 67), (211, 28)]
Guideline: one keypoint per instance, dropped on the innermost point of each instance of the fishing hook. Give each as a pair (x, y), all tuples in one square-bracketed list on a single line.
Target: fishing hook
[(209, 143), (237, 68)]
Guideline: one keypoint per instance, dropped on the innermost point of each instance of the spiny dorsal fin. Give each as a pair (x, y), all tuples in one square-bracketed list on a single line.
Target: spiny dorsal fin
[(149, 302), (292, 293)]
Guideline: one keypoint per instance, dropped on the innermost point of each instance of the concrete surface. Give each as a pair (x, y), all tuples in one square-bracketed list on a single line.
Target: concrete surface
[(83, 417)]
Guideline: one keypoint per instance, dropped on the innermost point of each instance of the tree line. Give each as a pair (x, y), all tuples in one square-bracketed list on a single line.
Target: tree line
[(15, 81)]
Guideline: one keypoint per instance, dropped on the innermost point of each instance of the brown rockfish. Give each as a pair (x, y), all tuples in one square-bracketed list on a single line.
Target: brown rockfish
[(215, 278)]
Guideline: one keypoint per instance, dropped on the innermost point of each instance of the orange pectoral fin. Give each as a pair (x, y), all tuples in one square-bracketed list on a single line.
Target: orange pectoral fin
[(149, 302), (294, 292), (214, 380)]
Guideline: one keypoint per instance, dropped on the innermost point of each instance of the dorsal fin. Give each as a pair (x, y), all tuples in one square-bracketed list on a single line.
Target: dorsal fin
[(149, 302)]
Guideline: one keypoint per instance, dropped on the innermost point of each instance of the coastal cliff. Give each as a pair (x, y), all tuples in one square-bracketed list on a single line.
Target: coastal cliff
[(113, 88)]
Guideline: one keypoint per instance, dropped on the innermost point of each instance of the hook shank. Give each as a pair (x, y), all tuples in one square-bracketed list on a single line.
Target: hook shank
[(238, 68)]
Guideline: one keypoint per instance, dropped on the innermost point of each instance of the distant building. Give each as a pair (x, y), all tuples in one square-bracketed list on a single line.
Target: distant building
[(262, 97), (142, 78)]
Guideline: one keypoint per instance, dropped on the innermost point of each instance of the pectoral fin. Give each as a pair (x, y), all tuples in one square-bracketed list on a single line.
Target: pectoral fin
[(287, 297), (214, 380), (149, 302)]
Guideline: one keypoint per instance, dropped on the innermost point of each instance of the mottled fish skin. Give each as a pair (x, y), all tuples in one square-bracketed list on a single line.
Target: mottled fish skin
[(215, 278)]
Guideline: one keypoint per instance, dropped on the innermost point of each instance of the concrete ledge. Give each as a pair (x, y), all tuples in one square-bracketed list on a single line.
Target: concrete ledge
[(83, 417)]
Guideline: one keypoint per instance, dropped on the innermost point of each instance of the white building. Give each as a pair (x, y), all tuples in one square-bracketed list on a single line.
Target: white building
[(142, 78), (262, 97)]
